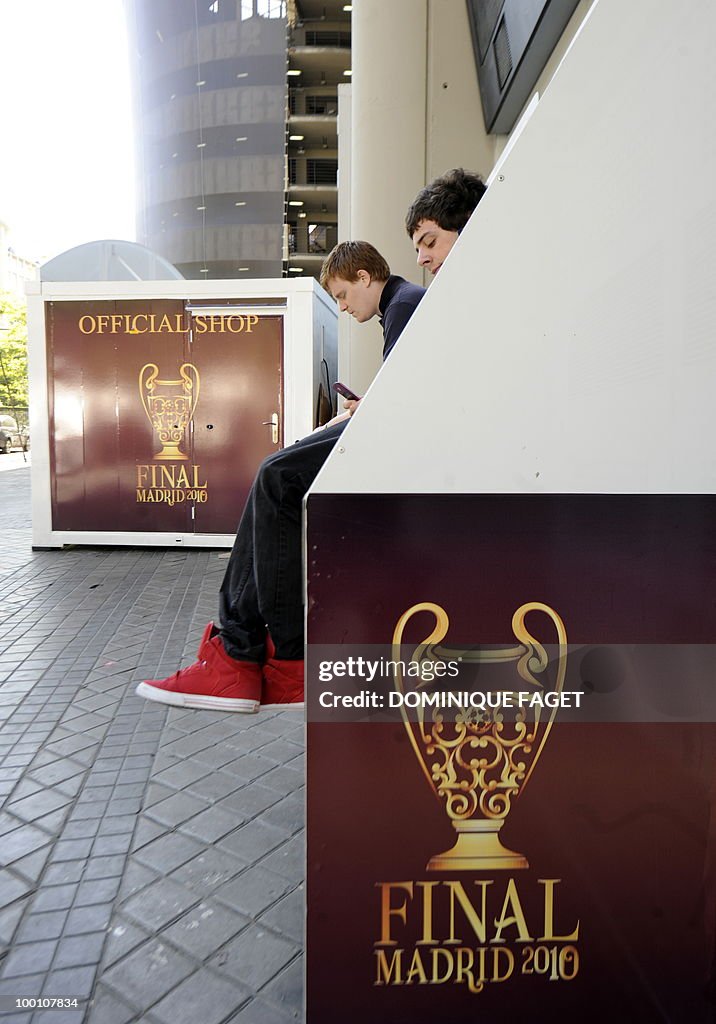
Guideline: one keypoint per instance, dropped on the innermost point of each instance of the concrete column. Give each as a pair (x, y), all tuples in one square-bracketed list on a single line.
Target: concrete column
[(388, 143), (415, 113)]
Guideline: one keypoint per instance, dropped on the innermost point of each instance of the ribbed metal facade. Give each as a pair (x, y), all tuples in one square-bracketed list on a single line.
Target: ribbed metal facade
[(211, 103)]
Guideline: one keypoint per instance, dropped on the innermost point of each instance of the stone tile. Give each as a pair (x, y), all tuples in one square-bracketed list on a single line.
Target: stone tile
[(284, 779), (288, 916), (254, 957), (181, 775), (135, 878), (212, 824), (37, 806), (9, 920), (117, 825), (71, 849), (178, 809), (100, 890), (54, 897), (71, 981), (214, 787), (64, 872), (29, 959), (20, 842), (107, 1008), (250, 800), (146, 831), (11, 889), (207, 871), (147, 974), (122, 937), (168, 852), (290, 813), (249, 767), (88, 919), (105, 867), (80, 950), (286, 990), (202, 930), (80, 829), (254, 891), (27, 985), (254, 840), (36, 927), (289, 860), (159, 904), (203, 997), (105, 846), (258, 1011)]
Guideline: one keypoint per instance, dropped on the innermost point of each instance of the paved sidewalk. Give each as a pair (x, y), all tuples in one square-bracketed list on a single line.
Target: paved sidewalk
[(151, 860)]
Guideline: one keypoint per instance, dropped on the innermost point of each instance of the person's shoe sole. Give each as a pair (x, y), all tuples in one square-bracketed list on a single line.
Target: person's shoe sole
[(299, 706), (194, 700)]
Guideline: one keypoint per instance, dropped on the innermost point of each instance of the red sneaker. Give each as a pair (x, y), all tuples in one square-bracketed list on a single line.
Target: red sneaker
[(283, 685), (215, 682)]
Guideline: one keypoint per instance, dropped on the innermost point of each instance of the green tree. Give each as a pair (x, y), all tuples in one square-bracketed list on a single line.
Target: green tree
[(13, 352)]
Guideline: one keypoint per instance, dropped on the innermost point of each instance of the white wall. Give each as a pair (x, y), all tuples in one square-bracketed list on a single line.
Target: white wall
[(416, 112), (569, 342)]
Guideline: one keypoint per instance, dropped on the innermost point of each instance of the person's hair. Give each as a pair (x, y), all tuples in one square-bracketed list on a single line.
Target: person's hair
[(449, 201), (347, 258)]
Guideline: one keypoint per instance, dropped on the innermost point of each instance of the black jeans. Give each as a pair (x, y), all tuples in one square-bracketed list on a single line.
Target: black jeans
[(263, 584)]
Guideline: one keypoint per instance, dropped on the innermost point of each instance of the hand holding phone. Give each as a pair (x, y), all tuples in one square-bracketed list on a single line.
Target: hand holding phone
[(345, 392)]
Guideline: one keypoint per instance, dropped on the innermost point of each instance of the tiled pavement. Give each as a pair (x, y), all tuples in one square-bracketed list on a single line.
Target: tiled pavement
[(151, 860)]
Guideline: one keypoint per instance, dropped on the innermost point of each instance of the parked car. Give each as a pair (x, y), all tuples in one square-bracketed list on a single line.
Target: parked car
[(11, 436)]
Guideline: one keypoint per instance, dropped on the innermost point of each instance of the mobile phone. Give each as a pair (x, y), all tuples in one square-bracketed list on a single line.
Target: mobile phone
[(346, 392)]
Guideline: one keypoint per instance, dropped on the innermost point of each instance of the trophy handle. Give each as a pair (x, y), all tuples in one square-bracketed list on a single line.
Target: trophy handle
[(191, 382), (147, 384), (535, 659), (442, 623)]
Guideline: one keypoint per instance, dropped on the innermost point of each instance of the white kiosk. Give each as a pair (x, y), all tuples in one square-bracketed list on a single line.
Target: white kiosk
[(153, 402)]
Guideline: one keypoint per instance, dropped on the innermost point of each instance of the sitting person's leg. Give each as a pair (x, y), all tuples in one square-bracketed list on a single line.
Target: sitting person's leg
[(261, 595)]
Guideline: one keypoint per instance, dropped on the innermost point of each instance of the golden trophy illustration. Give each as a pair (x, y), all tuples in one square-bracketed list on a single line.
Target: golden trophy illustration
[(478, 763), (169, 405)]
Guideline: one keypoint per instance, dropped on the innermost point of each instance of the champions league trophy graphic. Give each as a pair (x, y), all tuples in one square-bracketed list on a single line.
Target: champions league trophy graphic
[(169, 405), (479, 762)]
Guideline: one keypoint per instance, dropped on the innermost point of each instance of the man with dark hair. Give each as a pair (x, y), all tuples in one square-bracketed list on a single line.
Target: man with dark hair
[(439, 212), (255, 658)]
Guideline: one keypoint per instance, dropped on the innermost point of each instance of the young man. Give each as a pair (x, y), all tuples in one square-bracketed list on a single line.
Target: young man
[(438, 214), (256, 656)]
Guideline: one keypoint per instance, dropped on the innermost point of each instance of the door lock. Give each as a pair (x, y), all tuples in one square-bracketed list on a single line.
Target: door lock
[(273, 423)]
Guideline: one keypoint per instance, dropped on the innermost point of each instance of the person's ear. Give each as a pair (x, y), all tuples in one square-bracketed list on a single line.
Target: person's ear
[(364, 277)]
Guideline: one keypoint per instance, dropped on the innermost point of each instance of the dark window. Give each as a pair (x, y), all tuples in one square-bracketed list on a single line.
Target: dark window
[(342, 39), (321, 172), (321, 104)]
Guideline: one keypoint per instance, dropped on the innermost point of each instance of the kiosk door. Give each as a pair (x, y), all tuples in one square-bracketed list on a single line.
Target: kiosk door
[(160, 413), (238, 416)]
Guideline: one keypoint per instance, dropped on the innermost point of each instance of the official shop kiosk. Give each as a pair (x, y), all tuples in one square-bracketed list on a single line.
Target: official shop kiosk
[(153, 402)]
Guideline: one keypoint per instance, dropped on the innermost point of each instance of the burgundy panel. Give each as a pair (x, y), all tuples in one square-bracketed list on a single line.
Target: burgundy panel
[(618, 819), (149, 431), (99, 429)]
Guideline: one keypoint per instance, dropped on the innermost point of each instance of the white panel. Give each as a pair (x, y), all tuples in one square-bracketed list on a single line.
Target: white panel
[(569, 342)]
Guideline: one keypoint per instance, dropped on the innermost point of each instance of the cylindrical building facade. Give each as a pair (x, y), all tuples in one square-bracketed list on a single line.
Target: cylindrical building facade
[(211, 94)]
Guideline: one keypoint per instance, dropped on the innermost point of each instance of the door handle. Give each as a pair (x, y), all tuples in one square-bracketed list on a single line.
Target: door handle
[(273, 423)]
